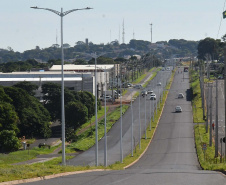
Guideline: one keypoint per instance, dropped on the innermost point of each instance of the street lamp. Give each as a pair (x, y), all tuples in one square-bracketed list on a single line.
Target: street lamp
[(62, 14)]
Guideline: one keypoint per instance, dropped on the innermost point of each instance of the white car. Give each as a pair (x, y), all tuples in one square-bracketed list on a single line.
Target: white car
[(159, 84), (108, 98), (150, 92), (178, 109), (153, 96), (180, 95)]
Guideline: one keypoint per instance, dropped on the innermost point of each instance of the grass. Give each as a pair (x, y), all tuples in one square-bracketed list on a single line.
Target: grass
[(197, 99), (207, 161), (87, 138), (152, 77), (100, 113), (24, 155)]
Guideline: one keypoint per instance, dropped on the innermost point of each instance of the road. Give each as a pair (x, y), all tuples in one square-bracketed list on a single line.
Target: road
[(113, 136), (170, 159)]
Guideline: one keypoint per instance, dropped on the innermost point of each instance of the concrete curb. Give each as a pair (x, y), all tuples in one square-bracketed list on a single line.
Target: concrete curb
[(48, 177)]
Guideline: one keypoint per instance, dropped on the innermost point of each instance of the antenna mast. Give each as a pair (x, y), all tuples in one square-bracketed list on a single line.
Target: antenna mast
[(151, 32), (123, 32)]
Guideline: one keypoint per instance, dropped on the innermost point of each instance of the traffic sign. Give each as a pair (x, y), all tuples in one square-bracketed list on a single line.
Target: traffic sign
[(204, 146)]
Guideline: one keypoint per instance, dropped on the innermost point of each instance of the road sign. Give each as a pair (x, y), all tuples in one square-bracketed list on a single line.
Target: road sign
[(204, 146)]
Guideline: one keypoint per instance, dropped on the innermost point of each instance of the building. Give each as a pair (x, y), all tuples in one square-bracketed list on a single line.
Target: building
[(73, 81), (105, 73)]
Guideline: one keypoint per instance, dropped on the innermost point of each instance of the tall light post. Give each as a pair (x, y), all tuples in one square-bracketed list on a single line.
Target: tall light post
[(62, 14)]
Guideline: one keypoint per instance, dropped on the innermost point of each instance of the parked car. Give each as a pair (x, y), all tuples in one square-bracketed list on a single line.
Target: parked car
[(153, 96), (178, 109), (180, 95), (150, 91), (108, 98)]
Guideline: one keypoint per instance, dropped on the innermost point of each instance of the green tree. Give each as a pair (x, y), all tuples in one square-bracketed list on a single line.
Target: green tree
[(27, 86), (209, 46), (8, 118), (76, 114), (8, 141), (34, 119), (52, 99)]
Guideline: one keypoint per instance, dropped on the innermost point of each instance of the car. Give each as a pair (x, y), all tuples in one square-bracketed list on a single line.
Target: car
[(150, 91), (144, 93), (159, 84), (138, 86), (180, 95), (153, 96), (130, 85), (108, 98), (220, 77), (178, 109)]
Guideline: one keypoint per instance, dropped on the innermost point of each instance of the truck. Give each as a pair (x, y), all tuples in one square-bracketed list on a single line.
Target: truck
[(185, 69)]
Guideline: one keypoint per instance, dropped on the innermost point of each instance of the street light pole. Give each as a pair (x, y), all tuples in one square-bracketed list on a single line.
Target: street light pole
[(96, 122), (62, 14)]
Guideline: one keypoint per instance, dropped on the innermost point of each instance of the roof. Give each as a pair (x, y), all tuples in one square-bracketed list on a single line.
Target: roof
[(71, 67)]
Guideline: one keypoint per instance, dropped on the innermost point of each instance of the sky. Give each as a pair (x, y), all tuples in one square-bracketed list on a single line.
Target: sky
[(24, 28)]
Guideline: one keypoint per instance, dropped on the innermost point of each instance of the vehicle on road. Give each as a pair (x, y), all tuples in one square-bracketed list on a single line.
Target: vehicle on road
[(143, 93), (159, 84), (130, 85), (180, 95), (138, 86), (153, 96), (150, 91), (178, 109), (185, 69)]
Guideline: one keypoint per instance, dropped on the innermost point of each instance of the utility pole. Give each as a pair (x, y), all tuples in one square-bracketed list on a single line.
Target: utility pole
[(216, 127), (211, 120), (225, 100), (207, 107), (117, 81)]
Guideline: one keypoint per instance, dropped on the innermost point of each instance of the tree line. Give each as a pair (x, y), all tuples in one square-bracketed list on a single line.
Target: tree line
[(113, 49), (22, 114)]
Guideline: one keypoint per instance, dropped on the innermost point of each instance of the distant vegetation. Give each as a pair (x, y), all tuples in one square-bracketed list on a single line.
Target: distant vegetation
[(162, 49)]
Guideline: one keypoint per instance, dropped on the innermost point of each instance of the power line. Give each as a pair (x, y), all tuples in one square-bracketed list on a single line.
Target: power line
[(220, 21)]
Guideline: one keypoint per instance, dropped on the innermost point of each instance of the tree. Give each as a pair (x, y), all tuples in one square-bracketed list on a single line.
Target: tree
[(208, 46), (88, 100), (8, 141), (76, 114), (34, 119), (8, 118), (52, 99), (27, 86)]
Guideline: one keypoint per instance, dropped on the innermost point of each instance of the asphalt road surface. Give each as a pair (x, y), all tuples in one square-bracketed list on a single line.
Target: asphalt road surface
[(113, 136), (170, 159)]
